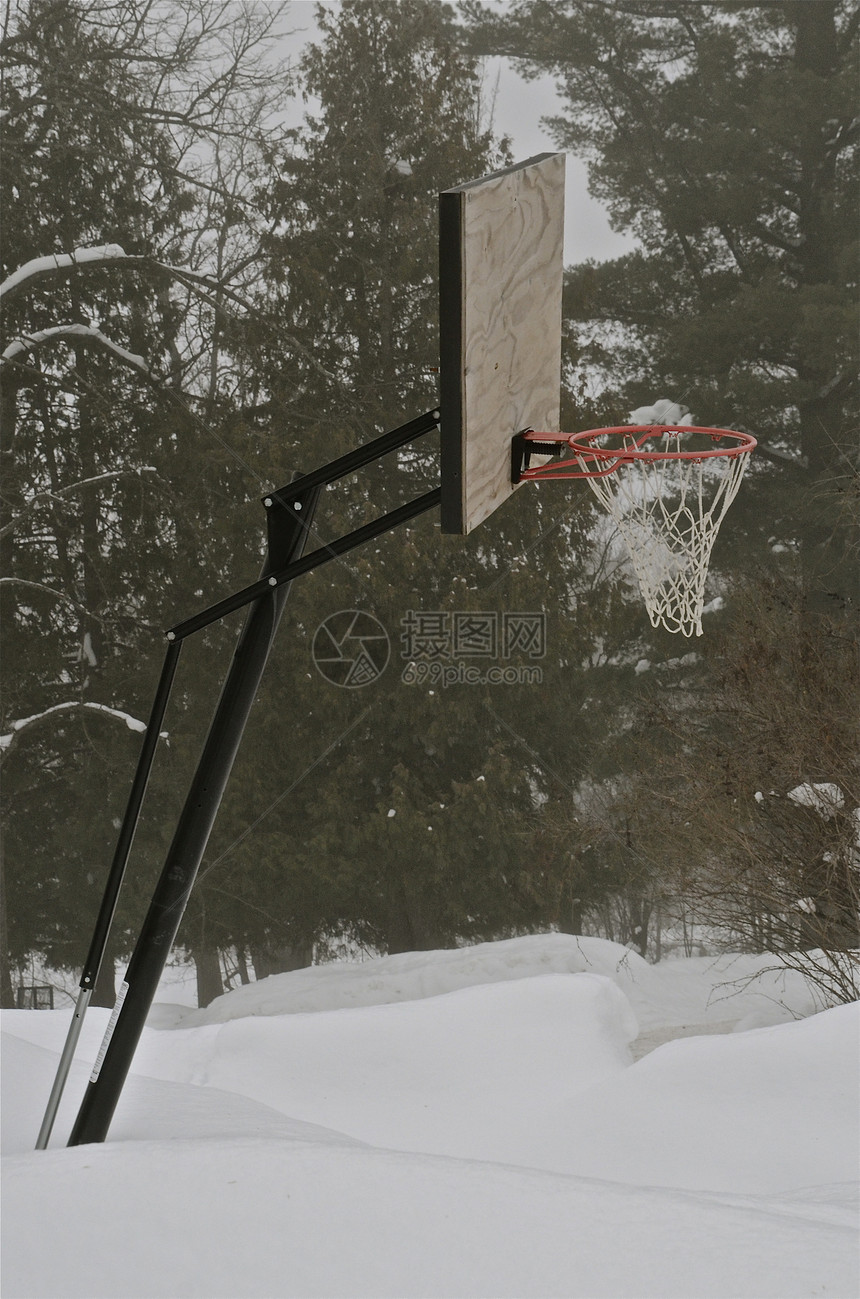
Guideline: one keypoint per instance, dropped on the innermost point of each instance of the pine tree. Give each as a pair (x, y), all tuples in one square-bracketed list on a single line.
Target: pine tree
[(724, 136), (115, 461), (355, 780)]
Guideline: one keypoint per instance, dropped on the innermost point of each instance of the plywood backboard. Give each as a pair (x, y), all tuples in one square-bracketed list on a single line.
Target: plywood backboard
[(500, 282)]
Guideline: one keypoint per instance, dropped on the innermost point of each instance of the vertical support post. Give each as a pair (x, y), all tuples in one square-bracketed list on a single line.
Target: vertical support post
[(287, 533), (95, 956), (125, 839), (66, 1058)]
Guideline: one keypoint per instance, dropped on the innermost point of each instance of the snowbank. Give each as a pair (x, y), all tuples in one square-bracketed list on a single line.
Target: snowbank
[(449, 1124), (415, 975), (703, 991), (486, 1072)]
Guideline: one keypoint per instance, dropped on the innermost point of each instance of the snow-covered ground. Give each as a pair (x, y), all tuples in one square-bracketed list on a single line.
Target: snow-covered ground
[(546, 1116)]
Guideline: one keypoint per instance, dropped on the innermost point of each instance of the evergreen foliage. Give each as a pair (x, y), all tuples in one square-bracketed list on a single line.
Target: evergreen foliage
[(275, 306), (276, 303), (724, 137), (114, 462), (352, 278)]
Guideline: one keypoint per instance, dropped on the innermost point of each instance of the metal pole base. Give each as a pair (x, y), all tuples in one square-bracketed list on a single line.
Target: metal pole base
[(63, 1070)]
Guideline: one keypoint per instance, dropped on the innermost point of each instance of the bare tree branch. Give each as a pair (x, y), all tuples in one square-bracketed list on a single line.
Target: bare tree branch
[(63, 492), (54, 593)]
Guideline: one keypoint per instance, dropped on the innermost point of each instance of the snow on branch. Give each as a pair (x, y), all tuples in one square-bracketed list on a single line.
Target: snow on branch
[(133, 723), (67, 491), (207, 287), (112, 255), (87, 333), (53, 262)]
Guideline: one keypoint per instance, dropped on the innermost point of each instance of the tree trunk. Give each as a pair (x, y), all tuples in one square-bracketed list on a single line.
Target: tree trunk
[(816, 52), (7, 994), (90, 516), (242, 963), (572, 917), (408, 927), (640, 917), (209, 982)]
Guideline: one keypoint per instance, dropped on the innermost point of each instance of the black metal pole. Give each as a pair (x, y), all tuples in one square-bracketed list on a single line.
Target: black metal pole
[(125, 838), (360, 456), (288, 530), (331, 550), (116, 874)]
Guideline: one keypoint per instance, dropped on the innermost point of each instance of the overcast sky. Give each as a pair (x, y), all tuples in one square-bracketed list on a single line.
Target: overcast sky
[(519, 107)]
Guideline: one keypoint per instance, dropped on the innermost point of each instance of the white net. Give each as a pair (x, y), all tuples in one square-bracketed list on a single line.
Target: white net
[(669, 513)]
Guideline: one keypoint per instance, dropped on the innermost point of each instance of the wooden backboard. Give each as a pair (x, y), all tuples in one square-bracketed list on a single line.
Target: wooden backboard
[(500, 281)]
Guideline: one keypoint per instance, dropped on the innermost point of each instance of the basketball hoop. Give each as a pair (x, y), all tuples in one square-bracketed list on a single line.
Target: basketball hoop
[(667, 500)]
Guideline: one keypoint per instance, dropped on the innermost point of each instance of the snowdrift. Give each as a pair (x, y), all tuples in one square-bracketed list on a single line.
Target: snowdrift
[(446, 1124)]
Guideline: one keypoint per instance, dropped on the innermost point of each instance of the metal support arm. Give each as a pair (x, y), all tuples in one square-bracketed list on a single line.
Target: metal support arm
[(289, 517), (332, 550), (287, 533)]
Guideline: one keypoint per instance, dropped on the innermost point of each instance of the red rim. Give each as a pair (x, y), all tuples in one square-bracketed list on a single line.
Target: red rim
[(607, 459), (625, 455)]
